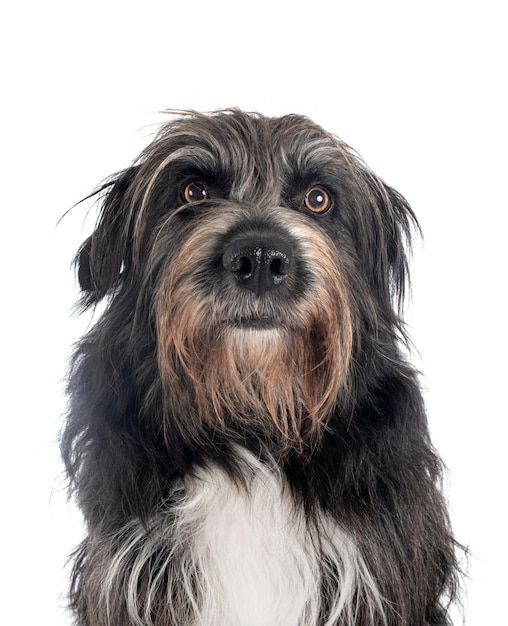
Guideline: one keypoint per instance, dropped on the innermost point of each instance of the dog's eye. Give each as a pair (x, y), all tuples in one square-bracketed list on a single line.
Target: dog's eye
[(195, 192), (318, 200)]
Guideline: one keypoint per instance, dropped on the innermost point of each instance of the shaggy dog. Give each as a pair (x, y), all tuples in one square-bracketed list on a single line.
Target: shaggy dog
[(245, 437)]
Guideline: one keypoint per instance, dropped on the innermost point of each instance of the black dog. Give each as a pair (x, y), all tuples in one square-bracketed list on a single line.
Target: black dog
[(246, 440)]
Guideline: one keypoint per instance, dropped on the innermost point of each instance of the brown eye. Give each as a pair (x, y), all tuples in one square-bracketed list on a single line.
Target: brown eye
[(195, 192), (318, 200)]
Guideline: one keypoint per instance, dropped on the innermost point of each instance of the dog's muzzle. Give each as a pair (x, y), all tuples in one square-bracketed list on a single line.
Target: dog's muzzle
[(258, 264)]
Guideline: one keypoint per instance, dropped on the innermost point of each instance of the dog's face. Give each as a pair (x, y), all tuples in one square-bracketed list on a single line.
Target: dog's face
[(252, 254)]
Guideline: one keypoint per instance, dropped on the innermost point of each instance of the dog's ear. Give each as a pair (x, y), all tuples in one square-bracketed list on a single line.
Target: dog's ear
[(403, 227), (103, 257), (390, 248)]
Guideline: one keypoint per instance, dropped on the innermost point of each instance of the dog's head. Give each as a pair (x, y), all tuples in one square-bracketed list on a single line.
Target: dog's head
[(262, 260)]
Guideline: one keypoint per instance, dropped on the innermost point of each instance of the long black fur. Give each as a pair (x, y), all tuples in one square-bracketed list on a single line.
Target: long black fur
[(372, 467)]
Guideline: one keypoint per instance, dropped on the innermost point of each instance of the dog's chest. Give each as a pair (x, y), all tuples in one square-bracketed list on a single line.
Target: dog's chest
[(251, 546), (258, 560), (230, 552)]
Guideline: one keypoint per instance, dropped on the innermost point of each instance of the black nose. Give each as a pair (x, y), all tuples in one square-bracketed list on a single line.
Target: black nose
[(258, 264)]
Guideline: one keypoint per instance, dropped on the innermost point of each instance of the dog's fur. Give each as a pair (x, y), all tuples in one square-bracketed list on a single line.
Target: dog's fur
[(246, 440)]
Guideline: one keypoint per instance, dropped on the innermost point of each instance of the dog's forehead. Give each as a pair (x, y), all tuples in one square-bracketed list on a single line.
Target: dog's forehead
[(242, 143)]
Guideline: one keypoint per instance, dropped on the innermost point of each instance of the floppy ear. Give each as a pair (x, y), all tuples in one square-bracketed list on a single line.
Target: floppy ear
[(389, 243), (402, 226), (104, 256)]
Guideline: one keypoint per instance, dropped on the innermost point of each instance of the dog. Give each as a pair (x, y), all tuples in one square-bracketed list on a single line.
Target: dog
[(245, 437)]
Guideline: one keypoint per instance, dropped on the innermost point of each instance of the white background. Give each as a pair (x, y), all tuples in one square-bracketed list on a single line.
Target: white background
[(419, 89)]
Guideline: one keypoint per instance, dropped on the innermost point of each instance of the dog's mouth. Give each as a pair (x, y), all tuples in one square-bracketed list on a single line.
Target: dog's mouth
[(286, 325), (255, 323)]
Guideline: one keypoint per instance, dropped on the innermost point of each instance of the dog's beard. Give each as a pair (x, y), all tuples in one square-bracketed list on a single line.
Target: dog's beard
[(272, 367)]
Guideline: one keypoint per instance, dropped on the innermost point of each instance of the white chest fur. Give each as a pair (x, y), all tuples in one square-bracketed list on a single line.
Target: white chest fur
[(254, 551), (242, 555)]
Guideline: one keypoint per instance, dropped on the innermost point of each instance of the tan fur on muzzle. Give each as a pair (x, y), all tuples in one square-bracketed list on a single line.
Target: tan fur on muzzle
[(284, 378)]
